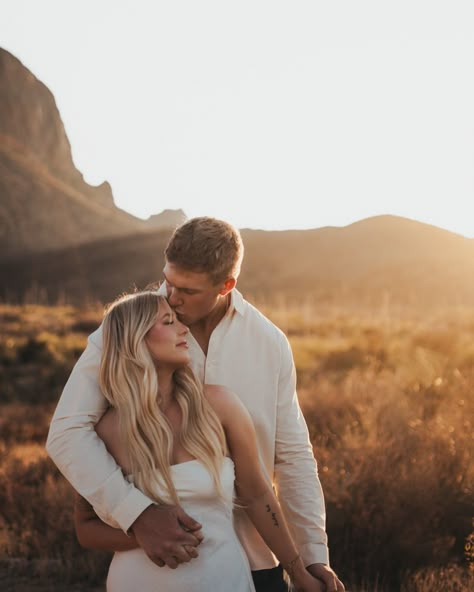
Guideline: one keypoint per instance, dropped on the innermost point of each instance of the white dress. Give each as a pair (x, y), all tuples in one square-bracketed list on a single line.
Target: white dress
[(222, 565)]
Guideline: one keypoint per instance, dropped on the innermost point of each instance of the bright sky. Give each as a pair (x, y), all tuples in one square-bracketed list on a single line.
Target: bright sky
[(270, 114)]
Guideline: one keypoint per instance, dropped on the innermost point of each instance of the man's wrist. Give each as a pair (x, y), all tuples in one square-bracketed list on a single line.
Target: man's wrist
[(131, 531), (314, 553)]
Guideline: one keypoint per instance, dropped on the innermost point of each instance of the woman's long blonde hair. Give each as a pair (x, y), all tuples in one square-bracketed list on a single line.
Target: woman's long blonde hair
[(129, 381)]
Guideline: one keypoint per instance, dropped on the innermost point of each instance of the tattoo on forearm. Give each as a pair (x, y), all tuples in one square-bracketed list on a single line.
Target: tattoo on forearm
[(274, 518)]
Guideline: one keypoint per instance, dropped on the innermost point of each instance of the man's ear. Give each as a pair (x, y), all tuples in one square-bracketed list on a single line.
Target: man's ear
[(229, 284)]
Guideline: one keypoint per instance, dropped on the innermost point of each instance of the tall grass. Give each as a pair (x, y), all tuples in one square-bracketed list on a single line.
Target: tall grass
[(389, 405)]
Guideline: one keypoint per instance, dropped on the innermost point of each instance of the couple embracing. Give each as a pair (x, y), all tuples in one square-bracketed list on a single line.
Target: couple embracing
[(173, 427)]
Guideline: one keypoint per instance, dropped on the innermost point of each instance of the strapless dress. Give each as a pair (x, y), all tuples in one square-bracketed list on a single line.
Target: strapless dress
[(222, 565)]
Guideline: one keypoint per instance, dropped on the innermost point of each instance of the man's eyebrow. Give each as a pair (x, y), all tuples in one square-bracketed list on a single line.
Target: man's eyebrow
[(168, 282), (179, 287)]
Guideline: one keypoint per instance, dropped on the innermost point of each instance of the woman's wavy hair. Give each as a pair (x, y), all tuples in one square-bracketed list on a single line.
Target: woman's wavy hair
[(129, 382)]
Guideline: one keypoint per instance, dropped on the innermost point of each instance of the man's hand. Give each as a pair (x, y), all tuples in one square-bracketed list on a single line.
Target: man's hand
[(167, 535), (325, 574)]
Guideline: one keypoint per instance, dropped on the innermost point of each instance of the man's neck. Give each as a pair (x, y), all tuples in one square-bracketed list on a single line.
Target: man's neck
[(202, 330)]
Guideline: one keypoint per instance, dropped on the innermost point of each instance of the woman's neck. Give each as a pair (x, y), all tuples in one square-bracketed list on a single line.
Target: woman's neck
[(165, 387)]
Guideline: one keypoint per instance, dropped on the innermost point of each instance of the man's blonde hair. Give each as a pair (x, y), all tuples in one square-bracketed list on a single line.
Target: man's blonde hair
[(207, 245)]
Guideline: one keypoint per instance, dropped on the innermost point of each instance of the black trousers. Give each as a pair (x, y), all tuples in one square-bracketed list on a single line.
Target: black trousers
[(270, 580)]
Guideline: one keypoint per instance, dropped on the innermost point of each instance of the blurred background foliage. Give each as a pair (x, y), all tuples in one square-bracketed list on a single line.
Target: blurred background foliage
[(389, 405)]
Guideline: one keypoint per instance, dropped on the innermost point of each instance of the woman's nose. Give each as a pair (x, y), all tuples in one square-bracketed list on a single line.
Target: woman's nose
[(184, 328)]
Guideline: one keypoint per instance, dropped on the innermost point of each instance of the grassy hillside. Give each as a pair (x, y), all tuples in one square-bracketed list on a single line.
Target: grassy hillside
[(389, 405)]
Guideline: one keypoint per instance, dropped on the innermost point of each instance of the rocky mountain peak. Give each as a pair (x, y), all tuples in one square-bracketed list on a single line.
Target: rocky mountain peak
[(44, 201), (167, 219)]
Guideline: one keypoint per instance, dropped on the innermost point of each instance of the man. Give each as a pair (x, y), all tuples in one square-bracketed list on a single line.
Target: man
[(232, 344)]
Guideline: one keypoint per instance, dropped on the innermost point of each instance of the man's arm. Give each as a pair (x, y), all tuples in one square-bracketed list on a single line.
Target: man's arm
[(92, 533), (83, 459), (80, 454), (296, 475)]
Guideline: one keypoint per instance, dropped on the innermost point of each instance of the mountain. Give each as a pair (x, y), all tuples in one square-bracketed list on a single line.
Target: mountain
[(45, 203), (380, 259), (166, 219), (385, 260), (61, 238)]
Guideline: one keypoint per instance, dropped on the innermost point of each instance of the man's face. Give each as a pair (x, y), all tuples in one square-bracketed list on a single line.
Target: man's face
[(192, 294)]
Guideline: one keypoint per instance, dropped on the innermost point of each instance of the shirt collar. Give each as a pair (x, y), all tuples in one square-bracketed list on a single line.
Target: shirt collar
[(237, 301)]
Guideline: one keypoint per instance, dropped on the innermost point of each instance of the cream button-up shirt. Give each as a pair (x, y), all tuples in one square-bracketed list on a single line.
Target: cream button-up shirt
[(250, 356)]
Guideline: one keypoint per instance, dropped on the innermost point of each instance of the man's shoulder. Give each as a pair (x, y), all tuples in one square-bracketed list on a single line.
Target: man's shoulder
[(95, 338), (258, 321)]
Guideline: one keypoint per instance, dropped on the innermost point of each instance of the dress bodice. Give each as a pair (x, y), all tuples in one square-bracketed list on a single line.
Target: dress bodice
[(222, 564)]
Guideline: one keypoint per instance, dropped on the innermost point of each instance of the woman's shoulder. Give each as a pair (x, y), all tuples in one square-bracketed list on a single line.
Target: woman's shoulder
[(219, 394), (224, 401)]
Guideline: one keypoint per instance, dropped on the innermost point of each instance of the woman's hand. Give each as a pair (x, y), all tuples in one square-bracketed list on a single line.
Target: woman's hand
[(305, 582), (326, 575), (302, 580)]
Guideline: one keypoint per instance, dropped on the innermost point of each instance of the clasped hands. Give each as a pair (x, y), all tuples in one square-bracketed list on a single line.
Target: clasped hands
[(167, 535), (170, 537)]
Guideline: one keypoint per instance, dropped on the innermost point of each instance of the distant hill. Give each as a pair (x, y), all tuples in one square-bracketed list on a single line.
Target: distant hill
[(96, 271), (381, 260), (45, 203), (166, 219)]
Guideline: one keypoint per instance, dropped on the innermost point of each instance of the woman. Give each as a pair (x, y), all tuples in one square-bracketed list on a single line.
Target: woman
[(181, 444)]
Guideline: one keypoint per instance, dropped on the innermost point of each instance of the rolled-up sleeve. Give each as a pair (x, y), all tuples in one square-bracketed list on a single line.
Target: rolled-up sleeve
[(296, 474), (80, 454)]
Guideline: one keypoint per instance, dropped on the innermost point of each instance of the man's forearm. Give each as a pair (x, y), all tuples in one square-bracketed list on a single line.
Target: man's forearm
[(83, 459), (296, 475), (95, 534), (81, 455), (302, 501)]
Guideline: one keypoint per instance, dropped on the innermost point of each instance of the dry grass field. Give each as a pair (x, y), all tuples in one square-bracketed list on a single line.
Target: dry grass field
[(389, 404)]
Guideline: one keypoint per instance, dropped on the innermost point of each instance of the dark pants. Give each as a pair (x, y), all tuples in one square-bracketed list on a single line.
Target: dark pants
[(269, 580)]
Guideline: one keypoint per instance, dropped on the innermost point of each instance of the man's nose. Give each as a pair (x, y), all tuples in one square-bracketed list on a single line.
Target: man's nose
[(173, 297)]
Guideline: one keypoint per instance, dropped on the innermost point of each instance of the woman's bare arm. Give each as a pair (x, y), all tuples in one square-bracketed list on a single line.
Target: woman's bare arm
[(253, 490)]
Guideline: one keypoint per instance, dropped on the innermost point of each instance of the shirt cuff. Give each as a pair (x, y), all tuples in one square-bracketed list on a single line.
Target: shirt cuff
[(130, 508), (314, 553)]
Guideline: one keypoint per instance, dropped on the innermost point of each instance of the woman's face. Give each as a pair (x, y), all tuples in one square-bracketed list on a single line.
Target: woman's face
[(166, 340)]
